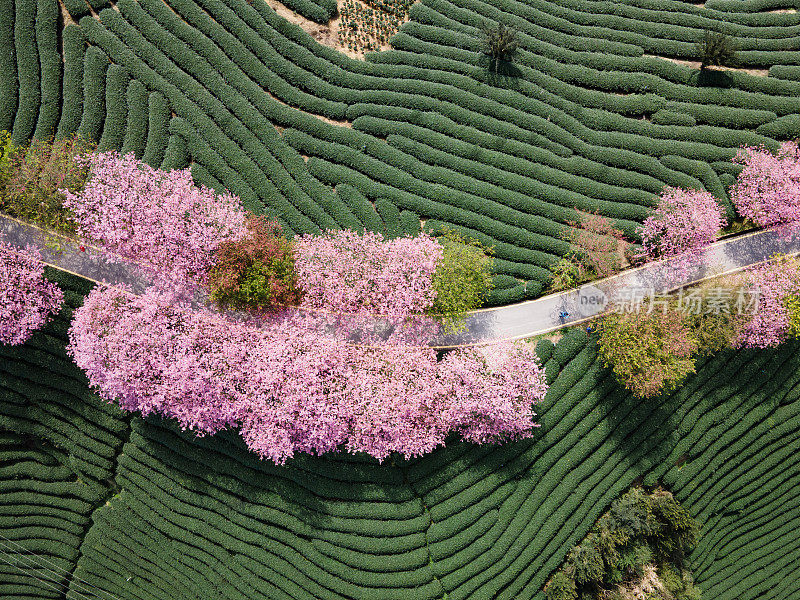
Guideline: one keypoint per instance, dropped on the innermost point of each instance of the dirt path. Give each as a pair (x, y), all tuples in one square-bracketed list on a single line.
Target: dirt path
[(695, 64)]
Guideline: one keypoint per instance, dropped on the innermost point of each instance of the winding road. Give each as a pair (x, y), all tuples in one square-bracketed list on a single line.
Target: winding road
[(513, 322)]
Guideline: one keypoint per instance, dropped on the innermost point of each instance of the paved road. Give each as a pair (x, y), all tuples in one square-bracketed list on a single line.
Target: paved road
[(517, 321)]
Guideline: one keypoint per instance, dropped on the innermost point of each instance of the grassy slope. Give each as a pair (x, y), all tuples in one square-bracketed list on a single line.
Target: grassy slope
[(589, 117), (198, 518)]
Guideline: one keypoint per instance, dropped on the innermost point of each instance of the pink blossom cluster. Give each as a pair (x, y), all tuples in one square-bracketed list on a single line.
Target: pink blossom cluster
[(27, 299), (290, 390), (775, 281), (348, 272), (767, 190), (158, 219), (684, 222)]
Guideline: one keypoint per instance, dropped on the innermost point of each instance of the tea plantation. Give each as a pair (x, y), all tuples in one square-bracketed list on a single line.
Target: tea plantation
[(137, 509), (591, 114)]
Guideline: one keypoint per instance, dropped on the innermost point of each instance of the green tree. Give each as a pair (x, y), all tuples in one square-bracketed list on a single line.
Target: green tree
[(715, 48), (500, 43), (649, 353), (462, 280)]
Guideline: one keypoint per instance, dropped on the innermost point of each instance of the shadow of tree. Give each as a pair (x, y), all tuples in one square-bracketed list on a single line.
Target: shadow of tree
[(501, 73), (712, 78)]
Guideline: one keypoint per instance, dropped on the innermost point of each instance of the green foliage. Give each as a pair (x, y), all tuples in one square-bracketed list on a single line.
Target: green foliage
[(36, 174), (648, 353), (500, 43), (793, 312), (561, 587), (716, 48), (462, 279), (566, 274), (257, 272), (642, 529), (585, 563), (7, 152)]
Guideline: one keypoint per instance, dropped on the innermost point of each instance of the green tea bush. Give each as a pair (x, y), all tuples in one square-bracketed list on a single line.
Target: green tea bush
[(462, 280), (95, 66), (136, 126), (35, 175), (257, 272), (9, 86), (74, 42), (668, 117), (27, 58), (117, 80), (47, 27)]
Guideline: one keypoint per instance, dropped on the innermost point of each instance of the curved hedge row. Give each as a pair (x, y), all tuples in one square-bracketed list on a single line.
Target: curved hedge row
[(28, 71), (9, 86), (47, 15), (74, 43), (116, 121), (137, 119), (95, 65)]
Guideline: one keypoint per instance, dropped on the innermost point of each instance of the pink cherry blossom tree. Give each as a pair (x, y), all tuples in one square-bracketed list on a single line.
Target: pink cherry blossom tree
[(27, 299), (290, 390), (683, 222), (767, 190), (774, 282), (351, 272), (157, 219)]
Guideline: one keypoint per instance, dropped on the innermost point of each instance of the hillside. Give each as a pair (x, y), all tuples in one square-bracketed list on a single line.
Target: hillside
[(601, 108), (137, 509)]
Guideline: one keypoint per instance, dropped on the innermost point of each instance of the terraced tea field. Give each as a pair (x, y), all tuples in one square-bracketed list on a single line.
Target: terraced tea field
[(601, 108), (137, 509), (603, 105)]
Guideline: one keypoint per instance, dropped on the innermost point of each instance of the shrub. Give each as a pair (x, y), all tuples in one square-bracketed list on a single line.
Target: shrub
[(598, 246), (38, 176), (767, 190), (648, 353), (792, 305), (500, 43), (255, 272), (7, 152), (676, 529), (462, 279), (715, 48), (585, 563), (722, 318), (159, 220), (27, 299), (566, 274)]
